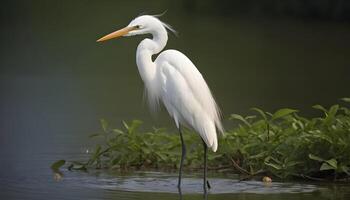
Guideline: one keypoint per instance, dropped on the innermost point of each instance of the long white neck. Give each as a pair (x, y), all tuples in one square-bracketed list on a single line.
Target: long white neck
[(145, 50), (147, 68)]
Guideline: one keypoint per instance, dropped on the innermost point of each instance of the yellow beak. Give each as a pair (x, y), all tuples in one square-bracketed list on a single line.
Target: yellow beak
[(116, 34)]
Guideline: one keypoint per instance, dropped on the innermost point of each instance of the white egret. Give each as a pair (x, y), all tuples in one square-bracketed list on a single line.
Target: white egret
[(174, 80)]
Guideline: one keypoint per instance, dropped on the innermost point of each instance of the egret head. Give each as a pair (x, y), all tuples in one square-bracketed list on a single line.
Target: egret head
[(145, 24)]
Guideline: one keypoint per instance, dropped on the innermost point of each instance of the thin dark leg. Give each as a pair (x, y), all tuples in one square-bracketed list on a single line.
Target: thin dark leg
[(205, 168), (182, 157)]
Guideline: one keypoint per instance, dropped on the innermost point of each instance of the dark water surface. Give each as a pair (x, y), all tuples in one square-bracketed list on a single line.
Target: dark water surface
[(38, 183), (56, 82)]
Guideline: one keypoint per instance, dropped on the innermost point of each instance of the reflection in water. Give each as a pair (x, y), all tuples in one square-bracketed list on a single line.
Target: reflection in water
[(167, 183), (180, 193), (151, 185), (205, 195), (57, 176), (158, 182)]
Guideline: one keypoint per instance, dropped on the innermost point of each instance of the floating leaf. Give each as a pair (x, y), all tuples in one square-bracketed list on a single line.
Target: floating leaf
[(57, 165), (77, 166)]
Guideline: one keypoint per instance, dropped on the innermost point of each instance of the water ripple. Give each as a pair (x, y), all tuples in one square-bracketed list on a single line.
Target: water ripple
[(165, 183)]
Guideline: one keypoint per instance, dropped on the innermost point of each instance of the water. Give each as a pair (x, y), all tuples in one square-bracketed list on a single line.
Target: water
[(40, 184), (56, 82)]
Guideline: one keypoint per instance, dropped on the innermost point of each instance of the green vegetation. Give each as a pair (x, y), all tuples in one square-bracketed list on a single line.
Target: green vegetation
[(281, 144)]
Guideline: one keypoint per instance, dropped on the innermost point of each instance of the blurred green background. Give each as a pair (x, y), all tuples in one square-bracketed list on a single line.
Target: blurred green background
[(56, 81), (54, 76)]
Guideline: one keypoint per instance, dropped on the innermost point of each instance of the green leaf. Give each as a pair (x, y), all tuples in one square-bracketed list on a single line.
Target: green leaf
[(213, 156), (94, 135), (104, 125), (346, 99), (239, 117), (250, 117), (57, 165), (126, 125), (325, 137), (276, 166), (333, 162), (259, 155), (269, 114), (282, 112), (330, 115), (293, 163), (313, 157), (135, 124), (77, 166), (319, 107), (326, 166), (96, 154), (261, 112), (162, 156), (345, 169), (146, 150), (117, 131), (333, 110)]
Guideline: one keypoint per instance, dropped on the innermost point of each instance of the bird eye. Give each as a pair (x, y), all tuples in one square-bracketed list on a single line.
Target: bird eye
[(137, 26)]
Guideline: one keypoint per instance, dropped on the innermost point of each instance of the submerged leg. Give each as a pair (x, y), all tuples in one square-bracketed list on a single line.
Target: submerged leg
[(182, 157)]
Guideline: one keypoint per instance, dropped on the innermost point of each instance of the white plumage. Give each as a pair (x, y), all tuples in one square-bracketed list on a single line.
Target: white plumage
[(174, 80), (187, 97)]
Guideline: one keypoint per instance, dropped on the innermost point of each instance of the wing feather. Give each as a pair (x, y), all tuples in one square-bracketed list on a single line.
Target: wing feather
[(187, 97)]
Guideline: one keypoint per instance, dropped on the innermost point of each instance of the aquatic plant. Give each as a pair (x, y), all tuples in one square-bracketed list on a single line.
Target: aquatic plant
[(282, 144), (285, 144)]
